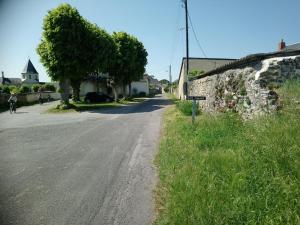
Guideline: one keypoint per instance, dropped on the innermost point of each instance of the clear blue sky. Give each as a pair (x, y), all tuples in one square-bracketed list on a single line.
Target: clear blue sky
[(230, 29)]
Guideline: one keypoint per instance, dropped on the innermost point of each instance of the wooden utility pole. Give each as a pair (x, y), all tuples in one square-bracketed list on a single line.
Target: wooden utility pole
[(187, 37), (170, 78)]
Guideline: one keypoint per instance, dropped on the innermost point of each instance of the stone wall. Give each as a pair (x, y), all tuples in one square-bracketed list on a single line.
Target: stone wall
[(29, 98), (250, 90)]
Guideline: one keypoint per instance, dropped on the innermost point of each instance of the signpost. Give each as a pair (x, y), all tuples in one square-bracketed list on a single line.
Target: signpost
[(194, 98), (185, 85)]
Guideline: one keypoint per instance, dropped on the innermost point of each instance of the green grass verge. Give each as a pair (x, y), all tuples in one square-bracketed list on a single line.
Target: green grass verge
[(82, 106), (185, 106), (227, 171)]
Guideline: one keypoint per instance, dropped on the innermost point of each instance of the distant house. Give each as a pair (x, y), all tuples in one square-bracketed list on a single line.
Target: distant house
[(198, 64), (29, 75), (98, 83), (283, 47), (154, 85), (95, 83), (293, 47), (10, 81), (140, 86)]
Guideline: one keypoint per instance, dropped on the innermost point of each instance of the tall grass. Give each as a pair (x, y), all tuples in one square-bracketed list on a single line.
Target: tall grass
[(227, 171), (185, 107)]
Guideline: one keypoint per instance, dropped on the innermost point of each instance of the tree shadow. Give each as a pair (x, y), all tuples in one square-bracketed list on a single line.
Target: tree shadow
[(21, 112), (147, 106)]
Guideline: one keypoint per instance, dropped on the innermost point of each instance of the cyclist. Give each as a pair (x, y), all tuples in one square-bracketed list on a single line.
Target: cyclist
[(40, 98), (12, 102)]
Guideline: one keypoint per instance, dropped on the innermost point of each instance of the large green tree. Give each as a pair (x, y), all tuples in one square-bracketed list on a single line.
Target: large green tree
[(125, 57), (100, 50), (63, 46), (131, 59), (139, 63)]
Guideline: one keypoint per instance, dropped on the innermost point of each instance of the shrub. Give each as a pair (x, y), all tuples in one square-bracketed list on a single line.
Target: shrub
[(24, 89), (35, 87), (243, 91), (167, 89), (41, 88), (49, 87), (5, 89), (186, 107), (13, 89)]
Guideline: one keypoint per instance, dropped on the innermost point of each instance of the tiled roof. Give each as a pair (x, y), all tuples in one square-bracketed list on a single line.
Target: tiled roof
[(13, 81), (29, 68)]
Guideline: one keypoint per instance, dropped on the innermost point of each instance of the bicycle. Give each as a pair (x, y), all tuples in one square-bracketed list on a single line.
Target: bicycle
[(12, 107)]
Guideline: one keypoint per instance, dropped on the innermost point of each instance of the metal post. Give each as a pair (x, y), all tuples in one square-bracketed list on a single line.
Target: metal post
[(194, 111), (170, 77)]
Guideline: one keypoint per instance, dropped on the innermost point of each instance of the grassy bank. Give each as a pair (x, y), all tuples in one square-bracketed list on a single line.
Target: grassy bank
[(227, 171)]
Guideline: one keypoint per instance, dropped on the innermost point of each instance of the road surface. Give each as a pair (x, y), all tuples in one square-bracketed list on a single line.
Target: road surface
[(79, 168)]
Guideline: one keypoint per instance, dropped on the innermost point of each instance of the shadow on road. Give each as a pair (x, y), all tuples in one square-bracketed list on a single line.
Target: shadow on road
[(21, 112), (147, 106)]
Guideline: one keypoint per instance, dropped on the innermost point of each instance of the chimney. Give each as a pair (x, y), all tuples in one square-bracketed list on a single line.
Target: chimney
[(281, 45), (2, 72)]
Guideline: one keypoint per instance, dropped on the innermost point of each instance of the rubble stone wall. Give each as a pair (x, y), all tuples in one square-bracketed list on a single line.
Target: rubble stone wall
[(250, 90)]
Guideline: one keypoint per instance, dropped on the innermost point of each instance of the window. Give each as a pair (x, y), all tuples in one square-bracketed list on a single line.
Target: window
[(29, 77)]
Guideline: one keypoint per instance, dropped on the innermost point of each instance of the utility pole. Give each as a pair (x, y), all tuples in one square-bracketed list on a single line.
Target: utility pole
[(170, 78), (187, 37)]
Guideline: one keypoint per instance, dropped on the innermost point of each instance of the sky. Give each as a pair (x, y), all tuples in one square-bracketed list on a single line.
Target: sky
[(224, 28)]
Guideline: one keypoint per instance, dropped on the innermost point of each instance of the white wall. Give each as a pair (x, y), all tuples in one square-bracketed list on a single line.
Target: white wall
[(89, 86), (140, 86)]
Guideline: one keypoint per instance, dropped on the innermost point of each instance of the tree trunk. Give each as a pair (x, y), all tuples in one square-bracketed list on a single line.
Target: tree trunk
[(65, 91), (129, 85), (124, 90), (115, 93), (76, 90), (97, 82)]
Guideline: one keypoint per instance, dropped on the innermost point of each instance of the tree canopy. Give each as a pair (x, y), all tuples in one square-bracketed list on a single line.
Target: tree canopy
[(71, 48), (131, 59), (62, 45)]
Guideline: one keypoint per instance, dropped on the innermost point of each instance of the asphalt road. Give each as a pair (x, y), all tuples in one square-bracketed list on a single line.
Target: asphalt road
[(79, 168)]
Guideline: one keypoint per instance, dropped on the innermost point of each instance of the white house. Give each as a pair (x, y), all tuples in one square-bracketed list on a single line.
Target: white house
[(29, 74), (140, 86), (98, 83)]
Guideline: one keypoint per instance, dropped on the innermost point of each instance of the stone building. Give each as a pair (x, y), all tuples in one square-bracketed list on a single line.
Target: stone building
[(199, 64)]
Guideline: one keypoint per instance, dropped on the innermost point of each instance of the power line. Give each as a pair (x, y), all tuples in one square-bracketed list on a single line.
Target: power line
[(175, 36), (199, 45)]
